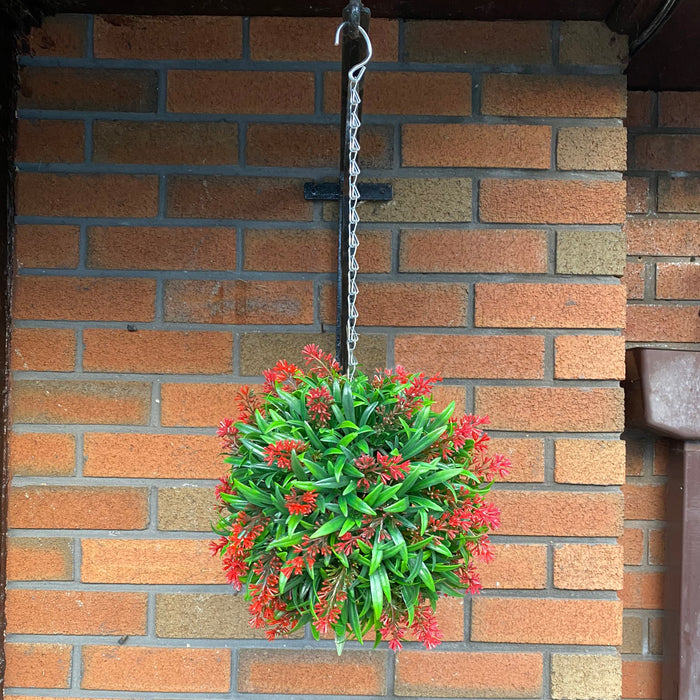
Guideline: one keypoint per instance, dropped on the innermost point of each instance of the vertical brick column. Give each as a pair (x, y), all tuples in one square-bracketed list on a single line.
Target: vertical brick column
[(166, 255)]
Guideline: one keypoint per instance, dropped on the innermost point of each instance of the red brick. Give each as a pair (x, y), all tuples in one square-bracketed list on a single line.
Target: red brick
[(150, 561), (239, 301), (546, 621), (157, 38), (550, 305), (162, 352), (589, 357), (592, 148), (474, 356), (149, 456), (662, 448), (638, 109), (656, 635), (320, 673), (161, 248), (679, 193), (82, 194), (240, 92), (657, 547), (516, 566), (478, 42), (43, 349), (666, 152), (459, 674), (37, 665), (156, 669), (552, 201), (96, 403), (635, 457), (548, 513), (641, 679), (445, 395), (168, 143), (632, 542), (489, 250), (643, 590), (50, 141), (588, 567), (39, 559), (634, 279), (75, 507), (312, 251), (590, 462), (88, 89), (311, 39), (47, 245), (637, 195), (663, 323), (75, 612), (41, 454), (646, 236), (555, 409), (678, 280), (235, 197), (516, 95), (476, 145), (644, 501), (679, 109), (406, 93), (198, 405), (63, 35), (526, 455), (84, 298)]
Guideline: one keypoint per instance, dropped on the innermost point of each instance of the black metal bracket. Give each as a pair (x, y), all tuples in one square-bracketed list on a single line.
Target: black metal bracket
[(330, 191)]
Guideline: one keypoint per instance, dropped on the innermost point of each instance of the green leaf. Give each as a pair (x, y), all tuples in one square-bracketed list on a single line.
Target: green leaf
[(347, 526), (439, 477), (348, 406), (426, 577), (377, 553), (358, 504), (332, 525), (375, 587), (354, 618), (343, 505), (416, 446), (384, 580), (296, 467), (397, 507)]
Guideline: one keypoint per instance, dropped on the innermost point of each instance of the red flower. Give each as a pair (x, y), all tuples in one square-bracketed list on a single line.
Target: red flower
[(247, 404), (301, 505), (393, 464), (425, 626), (283, 372), (281, 452), (469, 578), (319, 363), (318, 402), (228, 433)]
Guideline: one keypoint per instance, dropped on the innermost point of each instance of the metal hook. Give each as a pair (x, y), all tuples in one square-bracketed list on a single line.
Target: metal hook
[(365, 36)]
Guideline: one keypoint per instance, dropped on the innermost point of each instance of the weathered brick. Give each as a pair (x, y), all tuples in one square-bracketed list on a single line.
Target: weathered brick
[(557, 409), (187, 508), (162, 352), (46, 245), (548, 513), (637, 195), (197, 405), (82, 194), (39, 559), (679, 109), (50, 141), (631, 635), (239, 301), (662, 447), (592, 148), (526, 455), (644, 501), (590, 252), (656, 635), (97, 403), (63, 35), (591, 43), (168, 143), (666, 152), (323, 673), (588, 567), (240, 92), (149, 456), (43, 349), (663, 323), (643, 590), (310, 39), (235, 197), (678, 280), (552, 201), (149, 561), (679, 193), (167, 37), (77, 507), (590, 462), (638, 109), (549, 305), (652, 236), (459, 674), (489, 250), (641, 679), (516, 566), (476, 145), (634, 463), (577, 676), (546, 621), (515, 95), (37, 665), (312, 251), (589, 357), (632, 542), (156, 669), (482, 356), (634, 279), (75, 612), (313, 146), (161, 248), (41, 454), (657, 547), (456, 41), (98, 89), (84, 298)]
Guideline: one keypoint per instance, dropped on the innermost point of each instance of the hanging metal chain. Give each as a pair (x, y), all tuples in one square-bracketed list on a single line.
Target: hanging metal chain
[(353, 119)]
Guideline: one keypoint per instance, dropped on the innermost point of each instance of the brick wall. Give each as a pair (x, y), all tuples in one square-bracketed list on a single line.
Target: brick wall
[(663, 287), (166, 254)]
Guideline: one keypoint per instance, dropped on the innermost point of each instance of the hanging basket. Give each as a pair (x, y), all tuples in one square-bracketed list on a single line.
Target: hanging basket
[(350, 504)]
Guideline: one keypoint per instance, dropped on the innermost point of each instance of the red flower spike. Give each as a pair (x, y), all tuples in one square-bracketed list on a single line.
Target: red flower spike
[(281, 452), (318, 403), (301, 504)]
